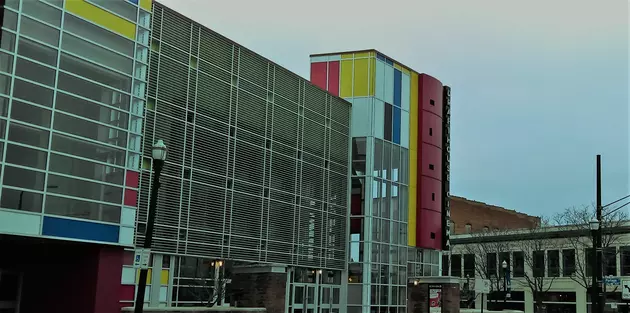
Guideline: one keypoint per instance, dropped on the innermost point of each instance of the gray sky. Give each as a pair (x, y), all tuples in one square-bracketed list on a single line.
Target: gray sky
[(539, 87)]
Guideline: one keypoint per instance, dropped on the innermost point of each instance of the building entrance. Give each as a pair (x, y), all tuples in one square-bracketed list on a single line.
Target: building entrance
[(10, 287), (315, 291)]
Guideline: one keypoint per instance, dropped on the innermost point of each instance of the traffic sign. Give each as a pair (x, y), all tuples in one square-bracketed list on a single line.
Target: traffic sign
[(482, 285), (141, 258), (625, 289)]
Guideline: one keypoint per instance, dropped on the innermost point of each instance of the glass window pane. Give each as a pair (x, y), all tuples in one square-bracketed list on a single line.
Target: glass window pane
[(39, 31), (95, 72), (42, 12), (97, 54), (88, 150), (8, 41), (28, 135), (82, 209), (91, 110), (36, 51), (35, 72), (5, 84), (92, 91), (4, 107), (33, 93), (85, 169), (18, 177), (84, 189), (21, 200), (31, 114), (6, 63), (104, 37), (26, 156), (83, 128), (57, 3), (10, 20)]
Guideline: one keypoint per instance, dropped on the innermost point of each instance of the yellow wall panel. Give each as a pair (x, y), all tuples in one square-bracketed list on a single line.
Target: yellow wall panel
[(361, 76), (345, 88), (411, 224), (413, 158), (372, 75), (362, 55), (347, 56), (101, 17), (164, 277), (146, 4), (138, 271), (398, 67), (406, 71)]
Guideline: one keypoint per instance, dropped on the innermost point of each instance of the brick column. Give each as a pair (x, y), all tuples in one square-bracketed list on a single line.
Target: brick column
[(259, 287)]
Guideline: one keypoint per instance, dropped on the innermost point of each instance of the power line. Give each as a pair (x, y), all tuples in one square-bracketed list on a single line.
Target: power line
[(616, 209), (609, 204)]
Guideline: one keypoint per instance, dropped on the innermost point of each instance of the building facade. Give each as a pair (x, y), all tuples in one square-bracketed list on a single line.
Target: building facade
[(255, 187), (469, 216), (400, 173), (560, 256), (257, 171), (72, 99)]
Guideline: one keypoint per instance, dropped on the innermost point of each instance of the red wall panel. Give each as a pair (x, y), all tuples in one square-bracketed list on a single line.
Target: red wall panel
[(429, 233), (430, 163), (430, 155), (333, 77), (430, 89), (431, 187), (431, 129), (319, 74)]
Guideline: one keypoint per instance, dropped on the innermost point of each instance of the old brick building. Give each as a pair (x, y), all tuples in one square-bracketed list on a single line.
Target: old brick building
[(472, 216)]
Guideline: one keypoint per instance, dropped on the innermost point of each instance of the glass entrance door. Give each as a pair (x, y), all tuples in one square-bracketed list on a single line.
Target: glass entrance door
[(10, 283), (304, 298)]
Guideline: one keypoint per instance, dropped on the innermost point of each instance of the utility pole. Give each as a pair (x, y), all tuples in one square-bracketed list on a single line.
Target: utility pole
[(597, 300)]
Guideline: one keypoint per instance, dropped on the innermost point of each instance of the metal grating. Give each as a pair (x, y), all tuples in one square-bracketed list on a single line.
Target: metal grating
[(236, 183)]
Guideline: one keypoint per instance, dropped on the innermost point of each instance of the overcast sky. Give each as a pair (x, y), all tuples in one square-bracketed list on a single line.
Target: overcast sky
[(539, 87)]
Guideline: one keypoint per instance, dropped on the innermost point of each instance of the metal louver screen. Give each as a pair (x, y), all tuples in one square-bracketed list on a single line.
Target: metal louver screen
[(257, 167)]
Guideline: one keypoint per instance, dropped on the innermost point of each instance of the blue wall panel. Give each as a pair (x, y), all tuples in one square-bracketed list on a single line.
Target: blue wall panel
[(61, 227), (380, 57), (396, 124), (133, 1), (397, 87)]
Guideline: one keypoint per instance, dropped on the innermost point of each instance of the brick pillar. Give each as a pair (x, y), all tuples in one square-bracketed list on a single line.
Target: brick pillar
[(418, 297), (259, 288)]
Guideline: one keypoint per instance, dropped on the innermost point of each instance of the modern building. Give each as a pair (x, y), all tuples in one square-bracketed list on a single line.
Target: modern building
[(72, 97), (557, 259), (469, 216), (256, 184), (400, 173)]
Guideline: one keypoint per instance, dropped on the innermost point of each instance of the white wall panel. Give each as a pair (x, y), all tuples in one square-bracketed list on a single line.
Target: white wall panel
[(378, 125), (362, 117), (406, 92), (380, 80), (404, 129), (389, 84)]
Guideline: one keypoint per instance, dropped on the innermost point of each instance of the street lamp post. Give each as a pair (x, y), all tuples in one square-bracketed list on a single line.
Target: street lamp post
[(159, 155), (506, 280), (595, 228)]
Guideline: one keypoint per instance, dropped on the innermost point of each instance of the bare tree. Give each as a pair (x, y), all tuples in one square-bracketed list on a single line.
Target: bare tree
[(488, 257), (533, 246), (210, 283), (576, 220)]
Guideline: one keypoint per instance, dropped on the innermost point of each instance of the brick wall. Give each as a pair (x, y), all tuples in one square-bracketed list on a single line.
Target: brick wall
[(259, 290), (480, 215)]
